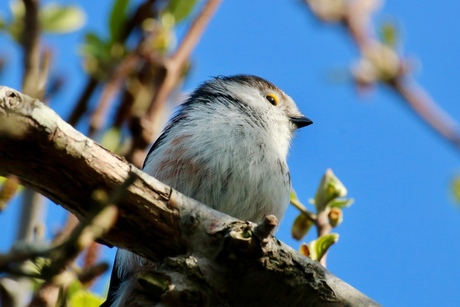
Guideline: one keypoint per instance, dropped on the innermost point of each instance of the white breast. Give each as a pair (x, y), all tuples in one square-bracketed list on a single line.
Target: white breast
[(226, 162)]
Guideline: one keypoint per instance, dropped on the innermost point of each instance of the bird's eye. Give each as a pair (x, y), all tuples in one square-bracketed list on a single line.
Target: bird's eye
[(272, 98)]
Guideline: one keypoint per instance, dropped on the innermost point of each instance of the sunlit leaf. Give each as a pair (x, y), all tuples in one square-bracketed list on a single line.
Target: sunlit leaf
[(95, 46), (8, 190), (97, 55), (164, 38), (456, 189), (180, 9), (329, 189), (389, 34), (117, 19), (301, 226), (17, 23), (61, 19), (317, 248), (111, 139), (84, 298), (341, 203), (93, 39), (74, 287), (323, 243), (18, 10)]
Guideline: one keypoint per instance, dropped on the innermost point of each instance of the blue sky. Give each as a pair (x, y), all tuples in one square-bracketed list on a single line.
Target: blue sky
[(399, 242)]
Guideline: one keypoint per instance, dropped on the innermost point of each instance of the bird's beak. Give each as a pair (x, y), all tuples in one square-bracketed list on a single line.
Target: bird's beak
[(301, 121)]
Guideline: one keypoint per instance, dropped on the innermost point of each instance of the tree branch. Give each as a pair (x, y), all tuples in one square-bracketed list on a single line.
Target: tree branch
[(356, 18), (219, 259), (173, 67)]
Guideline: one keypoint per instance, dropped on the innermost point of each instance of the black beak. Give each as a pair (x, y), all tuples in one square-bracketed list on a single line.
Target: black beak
[(301, 121)]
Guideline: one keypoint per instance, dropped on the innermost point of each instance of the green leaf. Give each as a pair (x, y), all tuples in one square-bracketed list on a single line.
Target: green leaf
[(61, 19), (95, 46), (74, 287), (301, 226), (18, 9), (389, 34), (15, 27), (8, 190), (456, 189), (341, 203), (93, 38), (317, 248), (84, 298), (329, 189), (180, 9), (117, 19), (111, 139)]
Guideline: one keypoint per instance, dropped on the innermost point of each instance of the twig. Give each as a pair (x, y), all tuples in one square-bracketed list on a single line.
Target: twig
[(355, 17), (92, 272), (143, 12), (175, 63), (31, 48), (323, 227), (173, 67), (310, 215), (62, 253), (420, 101), (81, 106), (111, 88)]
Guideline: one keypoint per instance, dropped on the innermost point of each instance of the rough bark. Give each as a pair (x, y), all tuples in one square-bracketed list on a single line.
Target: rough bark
[(207, 258)]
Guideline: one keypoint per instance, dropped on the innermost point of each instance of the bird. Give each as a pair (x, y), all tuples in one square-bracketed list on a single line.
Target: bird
[(225, 146)]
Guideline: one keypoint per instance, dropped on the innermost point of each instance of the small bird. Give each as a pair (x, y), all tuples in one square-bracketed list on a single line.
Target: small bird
[(226, 147)]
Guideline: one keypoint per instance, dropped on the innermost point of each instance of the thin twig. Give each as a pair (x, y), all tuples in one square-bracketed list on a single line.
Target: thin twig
[(173, 68), (310, 215), (31, 48), (142, 12), (356, 19), (175, 63), (427, 109), (111, 88), (323, 227), (82, 104)]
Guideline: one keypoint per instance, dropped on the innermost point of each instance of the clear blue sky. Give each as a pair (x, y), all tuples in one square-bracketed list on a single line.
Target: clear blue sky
[(399, 242)]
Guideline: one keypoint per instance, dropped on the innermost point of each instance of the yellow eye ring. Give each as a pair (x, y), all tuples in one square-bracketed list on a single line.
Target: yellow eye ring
[(273, 99)]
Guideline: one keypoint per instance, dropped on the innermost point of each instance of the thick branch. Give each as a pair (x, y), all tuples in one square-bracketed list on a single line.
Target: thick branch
[(224, 257)]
